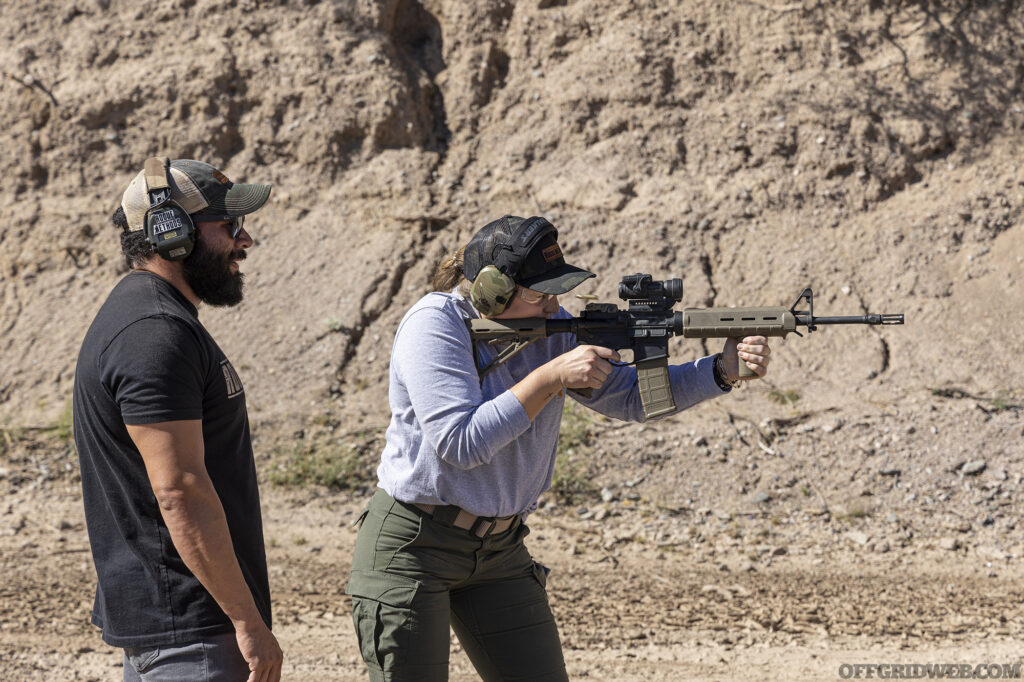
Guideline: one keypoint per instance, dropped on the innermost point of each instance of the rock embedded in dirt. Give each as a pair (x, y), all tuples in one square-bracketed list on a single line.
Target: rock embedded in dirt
[(858, 538), (974, 468)]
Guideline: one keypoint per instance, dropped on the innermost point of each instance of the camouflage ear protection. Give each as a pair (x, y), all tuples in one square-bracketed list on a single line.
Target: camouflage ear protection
[(492, 291), (494, 286), (169, 228)]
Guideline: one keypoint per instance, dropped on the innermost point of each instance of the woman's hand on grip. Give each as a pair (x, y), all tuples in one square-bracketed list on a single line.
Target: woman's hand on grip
[(584, 366)]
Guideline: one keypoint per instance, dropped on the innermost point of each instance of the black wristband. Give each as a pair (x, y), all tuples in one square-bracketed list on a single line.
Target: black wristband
[(719, 374)]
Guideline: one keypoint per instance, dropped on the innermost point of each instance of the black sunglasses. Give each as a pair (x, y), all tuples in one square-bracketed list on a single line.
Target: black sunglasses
[(237, 221)]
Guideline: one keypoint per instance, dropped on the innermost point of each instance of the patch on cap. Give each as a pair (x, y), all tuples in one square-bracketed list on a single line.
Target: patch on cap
[(552, 253)]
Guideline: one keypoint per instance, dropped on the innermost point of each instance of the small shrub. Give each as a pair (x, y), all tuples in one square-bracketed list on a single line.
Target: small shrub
[(64, 429), (8, 437), (787, 397), (1002, 401), (574, 432), (852, 515), (331, 464), (570, 482)]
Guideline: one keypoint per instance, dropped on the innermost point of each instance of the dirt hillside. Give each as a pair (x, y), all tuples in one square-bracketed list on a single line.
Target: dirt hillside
[(870, 150)]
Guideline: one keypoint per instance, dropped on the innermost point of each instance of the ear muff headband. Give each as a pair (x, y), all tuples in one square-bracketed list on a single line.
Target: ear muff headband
[(494, 286), (169, 228)]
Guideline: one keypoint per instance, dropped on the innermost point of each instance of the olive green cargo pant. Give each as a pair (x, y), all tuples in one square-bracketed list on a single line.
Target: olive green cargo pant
[(413, 577)]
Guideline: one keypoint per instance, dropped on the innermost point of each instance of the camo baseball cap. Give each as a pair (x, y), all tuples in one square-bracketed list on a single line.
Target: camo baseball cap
[(525, 249), (196, 187)]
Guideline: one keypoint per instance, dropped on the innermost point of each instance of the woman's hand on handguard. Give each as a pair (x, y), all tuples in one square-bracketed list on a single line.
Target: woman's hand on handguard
[(753, 350), (581, 367)]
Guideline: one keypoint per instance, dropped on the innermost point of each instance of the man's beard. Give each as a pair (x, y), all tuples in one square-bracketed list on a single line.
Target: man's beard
[(209, 274)]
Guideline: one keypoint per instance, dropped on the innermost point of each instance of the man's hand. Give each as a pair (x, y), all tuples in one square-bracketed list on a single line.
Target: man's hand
[(260, 650), (752, 350), (584, 366)]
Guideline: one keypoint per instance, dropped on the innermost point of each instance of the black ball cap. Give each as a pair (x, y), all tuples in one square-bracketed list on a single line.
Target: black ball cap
[(525, 249)]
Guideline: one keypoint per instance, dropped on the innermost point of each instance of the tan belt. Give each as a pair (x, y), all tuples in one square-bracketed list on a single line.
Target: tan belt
[(480, 526)]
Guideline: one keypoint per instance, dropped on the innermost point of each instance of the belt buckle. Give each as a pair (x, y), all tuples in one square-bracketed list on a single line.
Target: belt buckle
[(482, 520)]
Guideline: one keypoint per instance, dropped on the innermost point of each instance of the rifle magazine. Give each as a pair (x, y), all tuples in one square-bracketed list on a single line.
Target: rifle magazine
[(655, 388)]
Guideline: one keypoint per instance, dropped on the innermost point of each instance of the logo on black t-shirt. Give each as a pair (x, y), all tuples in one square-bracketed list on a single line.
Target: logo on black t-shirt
[(231, 380)]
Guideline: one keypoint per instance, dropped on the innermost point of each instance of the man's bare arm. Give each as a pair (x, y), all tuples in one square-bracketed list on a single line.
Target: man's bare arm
[(174, 455)]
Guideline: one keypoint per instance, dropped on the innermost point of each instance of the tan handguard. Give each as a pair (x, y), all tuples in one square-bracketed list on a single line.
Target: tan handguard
[(712, 323)]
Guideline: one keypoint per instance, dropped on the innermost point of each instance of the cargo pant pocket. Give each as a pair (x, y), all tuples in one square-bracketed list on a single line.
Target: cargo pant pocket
[(141, 658), (381, 610), (358, 523)]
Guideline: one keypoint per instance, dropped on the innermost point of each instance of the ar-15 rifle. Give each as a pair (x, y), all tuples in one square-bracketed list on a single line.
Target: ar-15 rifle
[(646, 325)]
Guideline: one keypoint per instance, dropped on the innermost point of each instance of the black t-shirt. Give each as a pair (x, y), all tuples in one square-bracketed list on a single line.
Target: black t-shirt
[(147, 359)]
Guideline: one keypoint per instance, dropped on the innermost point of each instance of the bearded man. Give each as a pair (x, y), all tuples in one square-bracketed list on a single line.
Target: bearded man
[(168, 477)]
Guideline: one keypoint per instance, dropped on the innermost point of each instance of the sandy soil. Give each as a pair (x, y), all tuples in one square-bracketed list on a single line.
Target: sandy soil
[(629, 608), (862, 504)]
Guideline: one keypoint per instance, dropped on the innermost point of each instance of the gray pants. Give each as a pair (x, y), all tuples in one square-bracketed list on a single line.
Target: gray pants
[(413, 577), (215, 659)]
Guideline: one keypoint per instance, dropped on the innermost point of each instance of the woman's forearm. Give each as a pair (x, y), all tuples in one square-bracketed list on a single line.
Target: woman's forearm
[(537, 389)]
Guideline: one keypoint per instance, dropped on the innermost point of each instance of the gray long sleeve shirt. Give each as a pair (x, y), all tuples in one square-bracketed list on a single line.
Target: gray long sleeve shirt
[(456, 440)]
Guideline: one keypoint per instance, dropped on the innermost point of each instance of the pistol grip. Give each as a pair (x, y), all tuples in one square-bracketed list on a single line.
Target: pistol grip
[(745, 372), (655, 387)]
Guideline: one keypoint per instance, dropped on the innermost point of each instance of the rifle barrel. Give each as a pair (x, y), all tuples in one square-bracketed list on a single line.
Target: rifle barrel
[(875, 318)]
